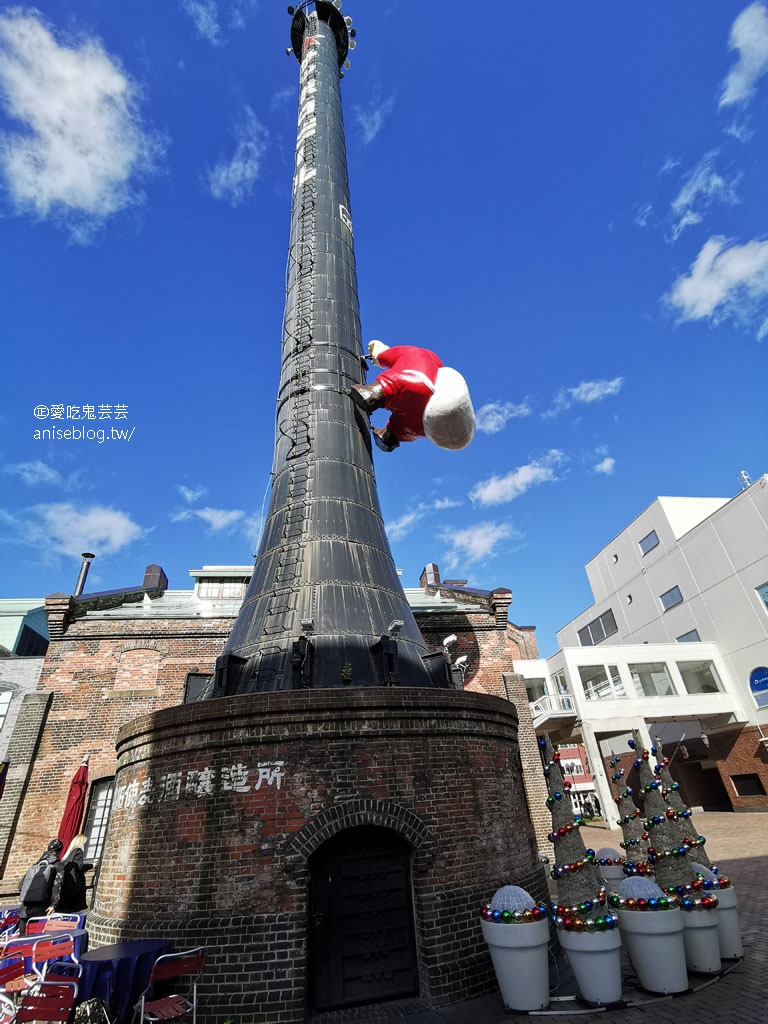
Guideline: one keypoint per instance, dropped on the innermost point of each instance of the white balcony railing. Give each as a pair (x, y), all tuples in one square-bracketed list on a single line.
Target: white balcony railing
[(549, 706)]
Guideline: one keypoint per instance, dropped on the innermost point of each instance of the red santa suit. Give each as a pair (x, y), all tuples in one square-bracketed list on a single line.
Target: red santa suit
[(408, 384)]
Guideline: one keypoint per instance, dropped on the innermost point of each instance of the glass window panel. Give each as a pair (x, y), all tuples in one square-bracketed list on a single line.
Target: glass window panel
[(748, 785), (608, 622), (649, 542), (594, 681), (536, 688), (651, 679), (585, 637), (691, 637), (5, 703), (699, 676), (763, 592), (98, 816), (670, 598)]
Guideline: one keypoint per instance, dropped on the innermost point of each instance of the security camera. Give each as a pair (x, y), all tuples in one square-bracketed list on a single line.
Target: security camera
[(395, 626), (449, 640), (462, 661), (307, 626)]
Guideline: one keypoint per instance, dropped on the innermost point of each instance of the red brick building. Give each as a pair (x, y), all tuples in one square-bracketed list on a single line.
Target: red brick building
[(119, 655)]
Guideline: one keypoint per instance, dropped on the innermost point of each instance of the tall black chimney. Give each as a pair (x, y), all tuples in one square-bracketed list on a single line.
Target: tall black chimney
[(325, 607)]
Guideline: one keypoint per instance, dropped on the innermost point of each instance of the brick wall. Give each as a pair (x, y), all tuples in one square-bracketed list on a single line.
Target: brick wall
[(220, 807), (741, 753), (92, 696)]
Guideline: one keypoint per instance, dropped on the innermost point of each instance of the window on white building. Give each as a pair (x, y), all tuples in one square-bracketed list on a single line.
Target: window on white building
[(221, 587), (649, 542), (535, 688), (651, 679), (5, 702), (601, 681), (571, 766), (763, 592), (670, 598), (699, 676), (97, 817), (691, 637), (601, 627)]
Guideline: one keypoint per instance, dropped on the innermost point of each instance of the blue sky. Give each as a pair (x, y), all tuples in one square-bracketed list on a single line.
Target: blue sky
[(566, 201)]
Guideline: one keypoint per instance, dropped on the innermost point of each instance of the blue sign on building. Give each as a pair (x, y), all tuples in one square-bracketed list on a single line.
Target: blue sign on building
[(758, 684)]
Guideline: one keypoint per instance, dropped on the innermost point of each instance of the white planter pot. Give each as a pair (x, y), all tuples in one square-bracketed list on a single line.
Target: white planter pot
[(654, 941), (595, 958), (702, 945), (612, 874), (728, 930), (520, 954)]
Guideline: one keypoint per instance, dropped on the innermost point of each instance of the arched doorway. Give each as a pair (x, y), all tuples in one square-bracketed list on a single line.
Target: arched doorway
[(362, 946)]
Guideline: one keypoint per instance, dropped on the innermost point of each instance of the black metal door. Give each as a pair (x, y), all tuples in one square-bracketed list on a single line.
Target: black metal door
[(362, 945)]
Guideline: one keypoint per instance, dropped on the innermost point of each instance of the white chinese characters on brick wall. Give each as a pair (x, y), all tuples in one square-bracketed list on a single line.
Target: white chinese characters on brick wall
[(195, 783)]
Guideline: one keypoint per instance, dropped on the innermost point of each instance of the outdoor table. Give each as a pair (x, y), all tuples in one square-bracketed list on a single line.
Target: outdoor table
[(119, 973)]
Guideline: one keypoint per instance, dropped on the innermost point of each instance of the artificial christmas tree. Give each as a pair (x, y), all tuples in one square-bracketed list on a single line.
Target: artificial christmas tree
[(587, 929), (635, 840), (671, 792)]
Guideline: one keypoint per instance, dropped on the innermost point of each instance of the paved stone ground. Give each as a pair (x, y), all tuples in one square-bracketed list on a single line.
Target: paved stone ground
[(738, 845)]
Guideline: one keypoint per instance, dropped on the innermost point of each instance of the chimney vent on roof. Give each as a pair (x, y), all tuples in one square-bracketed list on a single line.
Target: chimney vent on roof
[(87, 557)]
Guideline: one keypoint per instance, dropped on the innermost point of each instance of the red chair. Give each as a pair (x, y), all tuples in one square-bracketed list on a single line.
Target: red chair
[(11, 980), (48, 1001), (187, 967), (60, 970), (53, 923), (39, 950)]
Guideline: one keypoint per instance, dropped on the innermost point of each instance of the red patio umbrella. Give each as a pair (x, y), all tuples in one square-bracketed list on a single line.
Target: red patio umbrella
[(73, 810)]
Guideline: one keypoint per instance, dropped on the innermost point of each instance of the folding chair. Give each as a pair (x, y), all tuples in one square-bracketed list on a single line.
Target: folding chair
[(62, 922), (48, 1001), (11, 980), (50, 949), (62, 970), (40, 951), (186, 966)]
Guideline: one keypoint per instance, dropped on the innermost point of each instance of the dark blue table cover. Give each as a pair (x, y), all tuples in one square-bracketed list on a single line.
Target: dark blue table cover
[(119, 973)]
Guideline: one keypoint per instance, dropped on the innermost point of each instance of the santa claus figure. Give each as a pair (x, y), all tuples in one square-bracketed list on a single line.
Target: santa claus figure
[(426, 399)]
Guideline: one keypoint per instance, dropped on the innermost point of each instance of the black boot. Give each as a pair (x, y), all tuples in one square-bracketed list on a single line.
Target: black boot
[(385, 441), (368, 397)]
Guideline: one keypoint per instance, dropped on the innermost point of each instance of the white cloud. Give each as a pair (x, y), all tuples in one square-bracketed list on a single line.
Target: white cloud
[(703, 187), (241, 11), (643, 214), (606, 466), (669, 165), (205, 16), (500, 489), (494, 416), (191, 494), (443, 503), (283, 98), (34, 474), (475, 543), (749, 37), (64, 529), (587, 392), (82, 146), (725, 281), (403, 525), (371, 117), (217, 519), (234, 180)]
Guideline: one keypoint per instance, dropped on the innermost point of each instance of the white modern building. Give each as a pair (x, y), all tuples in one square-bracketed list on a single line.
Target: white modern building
[(675, 645)]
